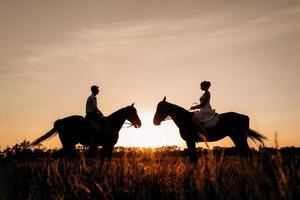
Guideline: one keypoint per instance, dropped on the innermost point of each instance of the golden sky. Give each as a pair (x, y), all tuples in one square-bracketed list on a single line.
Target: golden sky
[(142, 50)]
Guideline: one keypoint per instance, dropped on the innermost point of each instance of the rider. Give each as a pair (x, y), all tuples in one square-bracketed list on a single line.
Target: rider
[(92, 111), (206, 113)]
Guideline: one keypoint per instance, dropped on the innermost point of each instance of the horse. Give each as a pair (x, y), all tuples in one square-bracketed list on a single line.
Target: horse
[(231, 124), (77, 129)]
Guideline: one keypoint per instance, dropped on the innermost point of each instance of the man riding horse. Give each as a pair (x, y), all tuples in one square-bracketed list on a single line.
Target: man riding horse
[(93, 114)]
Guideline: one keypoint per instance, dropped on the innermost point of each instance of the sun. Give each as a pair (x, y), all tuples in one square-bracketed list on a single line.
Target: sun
[(150, 135)]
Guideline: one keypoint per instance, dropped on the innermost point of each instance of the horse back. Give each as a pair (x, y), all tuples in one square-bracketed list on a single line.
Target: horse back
[(234, 119), (74, 126), (74, 118)]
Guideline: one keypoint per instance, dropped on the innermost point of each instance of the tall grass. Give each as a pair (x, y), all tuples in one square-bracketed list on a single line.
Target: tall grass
[(152, 174)]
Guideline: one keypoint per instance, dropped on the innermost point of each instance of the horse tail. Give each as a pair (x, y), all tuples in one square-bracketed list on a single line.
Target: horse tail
[(52, 132), (254, 135)]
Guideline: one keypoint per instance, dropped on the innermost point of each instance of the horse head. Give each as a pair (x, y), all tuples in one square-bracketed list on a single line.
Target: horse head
[(132, 116), (161, 112)]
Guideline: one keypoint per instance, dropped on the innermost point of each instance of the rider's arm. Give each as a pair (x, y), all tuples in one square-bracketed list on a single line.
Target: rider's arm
[(96, 107), (203, 102), (196, 107)]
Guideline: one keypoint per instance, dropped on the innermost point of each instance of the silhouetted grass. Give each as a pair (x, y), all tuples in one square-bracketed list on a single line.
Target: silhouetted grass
[(162, 173)]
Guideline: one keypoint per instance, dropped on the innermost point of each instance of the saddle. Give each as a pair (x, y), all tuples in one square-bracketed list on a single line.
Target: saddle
[(212, 122), (99, 126), (96, 125), (209, 121)]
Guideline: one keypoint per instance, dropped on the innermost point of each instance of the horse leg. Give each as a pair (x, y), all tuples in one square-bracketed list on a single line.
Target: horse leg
[(107, 151), (92, 150), (240, 142), (68, 146), (192, 151), (110, 153), (104, 153)]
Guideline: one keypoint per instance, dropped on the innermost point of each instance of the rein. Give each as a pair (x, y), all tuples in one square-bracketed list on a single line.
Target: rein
[(129, 125), (167, 118)]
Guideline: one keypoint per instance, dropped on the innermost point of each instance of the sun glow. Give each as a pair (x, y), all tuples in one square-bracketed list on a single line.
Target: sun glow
[(150, 135)]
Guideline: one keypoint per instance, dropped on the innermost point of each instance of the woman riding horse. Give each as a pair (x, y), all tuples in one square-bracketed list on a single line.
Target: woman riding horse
[(205, 113), (231, 124)]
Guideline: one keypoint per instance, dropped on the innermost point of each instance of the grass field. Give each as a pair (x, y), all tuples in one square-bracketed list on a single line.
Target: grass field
[(162, 173)]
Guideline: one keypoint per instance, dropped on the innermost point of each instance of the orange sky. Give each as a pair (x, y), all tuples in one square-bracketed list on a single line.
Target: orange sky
[(139, 51)]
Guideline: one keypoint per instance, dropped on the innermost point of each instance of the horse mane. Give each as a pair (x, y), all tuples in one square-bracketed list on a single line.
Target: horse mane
[(121, 112), (178, 108), (116, 113)]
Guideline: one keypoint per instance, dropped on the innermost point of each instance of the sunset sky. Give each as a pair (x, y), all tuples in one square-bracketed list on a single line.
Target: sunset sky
[(139, 51)]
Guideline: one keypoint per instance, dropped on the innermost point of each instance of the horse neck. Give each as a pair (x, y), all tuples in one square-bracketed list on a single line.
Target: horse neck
[(117, 118), (177, 112)]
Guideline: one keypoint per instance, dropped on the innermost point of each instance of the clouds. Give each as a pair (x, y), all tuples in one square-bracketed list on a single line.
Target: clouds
[(102, 48), (114, 48), (120, 22)]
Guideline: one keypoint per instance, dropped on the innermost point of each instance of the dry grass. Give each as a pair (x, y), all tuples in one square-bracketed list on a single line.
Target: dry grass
[(151, 174)]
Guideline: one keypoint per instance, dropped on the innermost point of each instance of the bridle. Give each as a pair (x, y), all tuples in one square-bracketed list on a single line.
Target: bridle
[(167, 118), (129, 125)]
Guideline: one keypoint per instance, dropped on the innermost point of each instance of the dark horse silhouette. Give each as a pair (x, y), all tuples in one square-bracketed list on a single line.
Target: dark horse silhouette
[(77, 129), (231, 124)]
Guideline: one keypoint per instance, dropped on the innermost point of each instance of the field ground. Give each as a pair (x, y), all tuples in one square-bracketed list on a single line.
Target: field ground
[(161, 173)]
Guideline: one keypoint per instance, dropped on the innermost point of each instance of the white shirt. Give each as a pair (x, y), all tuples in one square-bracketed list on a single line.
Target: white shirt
[(91, 104)]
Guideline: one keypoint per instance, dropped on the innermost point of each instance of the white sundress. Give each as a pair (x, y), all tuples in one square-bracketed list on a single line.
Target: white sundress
[(206, 113)]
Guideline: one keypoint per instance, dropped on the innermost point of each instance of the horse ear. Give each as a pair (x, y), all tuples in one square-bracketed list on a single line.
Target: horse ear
[(164, 98), (132, 104)]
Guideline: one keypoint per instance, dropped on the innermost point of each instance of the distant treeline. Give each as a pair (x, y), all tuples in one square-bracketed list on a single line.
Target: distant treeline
[(20, 151)]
